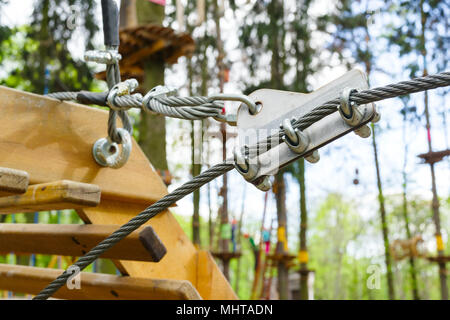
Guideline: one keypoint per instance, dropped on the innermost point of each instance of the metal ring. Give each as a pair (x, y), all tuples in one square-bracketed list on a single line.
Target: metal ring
[(346, 106), (106, 152), (253, 107)]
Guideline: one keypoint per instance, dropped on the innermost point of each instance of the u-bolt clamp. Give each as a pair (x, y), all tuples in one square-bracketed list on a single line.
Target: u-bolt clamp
[(250, 170), (122, 88), (351, 114), (297, 141), (107, 154)]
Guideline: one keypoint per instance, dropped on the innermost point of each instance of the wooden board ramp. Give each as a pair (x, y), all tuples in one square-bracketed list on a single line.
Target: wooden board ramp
[(57, 195), (76, 240), (13, 181), (95, 286), (52, 141)]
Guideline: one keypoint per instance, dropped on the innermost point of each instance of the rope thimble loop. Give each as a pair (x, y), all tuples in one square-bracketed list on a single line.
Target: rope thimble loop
[(107, 154)]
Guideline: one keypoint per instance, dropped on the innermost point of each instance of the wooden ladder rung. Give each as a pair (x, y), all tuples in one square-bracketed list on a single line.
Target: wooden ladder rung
[(76, 240), (56, 195), (13, 181), (95, 286)]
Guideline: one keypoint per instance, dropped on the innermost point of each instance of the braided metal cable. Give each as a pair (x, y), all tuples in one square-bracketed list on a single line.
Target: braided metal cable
[(68, 95), (359, 97), (188, 108), (112, 78), (362, 97), (135, 223)]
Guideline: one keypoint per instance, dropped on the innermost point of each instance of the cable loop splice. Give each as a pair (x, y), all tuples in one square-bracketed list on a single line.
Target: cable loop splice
[(158, 91), (107, 154), (121, 89), (250, 170), (351, 114)]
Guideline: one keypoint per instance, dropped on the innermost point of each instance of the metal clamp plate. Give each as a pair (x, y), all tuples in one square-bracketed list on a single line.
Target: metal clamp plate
[(279, 105)]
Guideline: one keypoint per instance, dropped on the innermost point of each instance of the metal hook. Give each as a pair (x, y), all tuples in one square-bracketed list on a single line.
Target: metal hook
[(253, 107), (106, 152)]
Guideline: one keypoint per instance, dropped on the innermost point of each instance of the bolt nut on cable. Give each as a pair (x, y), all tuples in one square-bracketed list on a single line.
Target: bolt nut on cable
[(296, 140), (377, 116), (263, 183), (363, 132), (250, 170), (313, 157)]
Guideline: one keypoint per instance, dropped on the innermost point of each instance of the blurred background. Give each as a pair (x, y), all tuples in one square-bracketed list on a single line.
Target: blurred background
[(359, 224)]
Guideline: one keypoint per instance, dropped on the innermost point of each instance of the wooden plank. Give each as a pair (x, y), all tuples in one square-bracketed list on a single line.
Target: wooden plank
[(56, 195), (181, 261), (13, 181), (210, 280), (76, 240), (145, 52), (65, 132), (52, 140), (95, 286)]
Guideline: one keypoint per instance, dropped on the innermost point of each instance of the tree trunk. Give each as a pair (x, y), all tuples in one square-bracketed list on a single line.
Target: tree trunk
[(435, 201), (224, 222), (283, 271), (152, 128), (238, 240), (412, 267), (303, 254), (384, 225), (195, 169)]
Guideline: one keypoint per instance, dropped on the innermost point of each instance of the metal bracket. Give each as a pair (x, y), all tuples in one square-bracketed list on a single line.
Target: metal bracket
[(277, 106)]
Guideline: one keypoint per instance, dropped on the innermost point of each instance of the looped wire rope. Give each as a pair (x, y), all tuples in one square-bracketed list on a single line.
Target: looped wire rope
[(112, 78), (318, 113)]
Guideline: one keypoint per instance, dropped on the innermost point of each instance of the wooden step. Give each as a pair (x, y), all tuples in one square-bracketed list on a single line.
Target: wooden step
[(13, 181), (95, 286), (75, 240), (56, 195)]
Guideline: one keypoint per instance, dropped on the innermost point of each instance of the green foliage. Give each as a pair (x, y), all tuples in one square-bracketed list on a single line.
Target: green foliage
[(44, 44)]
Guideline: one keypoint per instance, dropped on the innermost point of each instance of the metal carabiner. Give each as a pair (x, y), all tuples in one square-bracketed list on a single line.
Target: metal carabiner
[(107, 153)]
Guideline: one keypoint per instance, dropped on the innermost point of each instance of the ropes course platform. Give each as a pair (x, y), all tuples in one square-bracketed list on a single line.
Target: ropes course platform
[(439, 259), (142, 43), (434, 156), (51, 143), (226, 256)]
